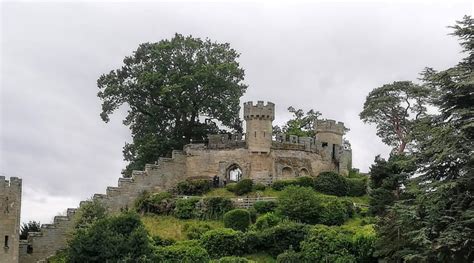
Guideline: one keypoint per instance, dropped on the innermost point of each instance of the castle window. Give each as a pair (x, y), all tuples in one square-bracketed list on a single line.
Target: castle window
[(6, 242), (234, 173), (29, 249), (263, 134), (325, 144), (255, 134)]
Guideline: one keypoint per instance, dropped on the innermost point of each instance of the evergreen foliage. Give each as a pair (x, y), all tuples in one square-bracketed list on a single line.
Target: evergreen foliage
[(237, 219), (223, 242), (331, 183)]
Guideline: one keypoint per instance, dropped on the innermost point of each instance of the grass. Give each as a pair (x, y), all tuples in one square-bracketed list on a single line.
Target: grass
[(360, 224), (261, 258), (172, 227)]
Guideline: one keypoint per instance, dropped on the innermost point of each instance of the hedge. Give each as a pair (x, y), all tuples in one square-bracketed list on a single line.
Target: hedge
[(185, 251), (213, 207), (331, 183), (244, 186), (237, 219), (193, 187), (263, 207), (223, 242), (186, 208)]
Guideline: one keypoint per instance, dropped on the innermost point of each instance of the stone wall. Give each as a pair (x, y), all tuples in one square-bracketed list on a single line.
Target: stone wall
[(10, 208)]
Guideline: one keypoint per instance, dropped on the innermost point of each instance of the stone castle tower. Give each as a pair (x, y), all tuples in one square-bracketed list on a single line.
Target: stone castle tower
[(10, 207), (258, 119), (329, 131)]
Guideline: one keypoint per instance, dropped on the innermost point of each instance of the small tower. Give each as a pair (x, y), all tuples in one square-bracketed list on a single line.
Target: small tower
[(328, 131), (258, 122), (10, 207)]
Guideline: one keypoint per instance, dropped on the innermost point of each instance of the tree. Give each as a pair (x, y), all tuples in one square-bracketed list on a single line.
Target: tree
[(394, 108), (26, 228), (301, 125), (175, 91)]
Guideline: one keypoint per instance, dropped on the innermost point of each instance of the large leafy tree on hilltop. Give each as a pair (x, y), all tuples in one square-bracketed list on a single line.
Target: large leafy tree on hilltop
[(175, 91), (394, 108), (301, 125)]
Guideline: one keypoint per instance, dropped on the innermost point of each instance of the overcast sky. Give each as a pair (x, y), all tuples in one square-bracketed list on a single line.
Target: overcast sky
[(322, 56)]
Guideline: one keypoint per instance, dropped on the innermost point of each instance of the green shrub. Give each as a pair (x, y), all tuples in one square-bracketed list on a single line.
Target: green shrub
[(244, 186), (263, 207), (193, 187), (230, 187), (282, 184), (253, 215), (305, 181), (162, 242), (357, 186), (232, 260), (237, 219), (196, 230), (252, 241), (327, 244), (266, 221), (333, 212), (259, 187), (186, 208), (188, 252), (159, 203), (223, 242), (89, 213), (213, 207), (289, 256), (300, 204), (286, 235), (331, 183)]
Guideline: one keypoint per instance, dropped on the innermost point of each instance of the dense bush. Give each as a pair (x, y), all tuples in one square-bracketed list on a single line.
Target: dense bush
[(88, 213), (111, 239), (263, 207), (266, 221), (357, 186), (159, 203), (213, 207), (230, 187), (253, 214), (331, 183), (289, 256), (232, 260), (185, 251), (300, 204), (282, 184), (196, 230), (286, 235), (259, 187), (327, 244), (363, 247), (186, 208), (162, 242), (193, 187), (333, 212), (223, 242), (244, 186), (305, 181), (237, 219)]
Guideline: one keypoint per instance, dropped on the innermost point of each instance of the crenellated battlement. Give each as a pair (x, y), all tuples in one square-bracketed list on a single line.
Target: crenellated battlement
[(330, 126), (259, 111), (14, 182)]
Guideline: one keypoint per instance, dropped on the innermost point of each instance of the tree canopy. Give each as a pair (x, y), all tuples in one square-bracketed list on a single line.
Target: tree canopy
[(175, 91), (301, 124)]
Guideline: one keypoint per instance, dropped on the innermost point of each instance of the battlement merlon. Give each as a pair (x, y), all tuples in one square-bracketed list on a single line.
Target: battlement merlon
[(13, 182), (330, 126), (259, 111)]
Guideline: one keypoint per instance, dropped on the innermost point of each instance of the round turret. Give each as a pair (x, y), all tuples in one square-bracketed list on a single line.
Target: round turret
[(258, 119), (329, 131)]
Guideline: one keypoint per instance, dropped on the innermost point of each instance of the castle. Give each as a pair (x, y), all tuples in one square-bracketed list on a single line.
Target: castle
[(224, 158)]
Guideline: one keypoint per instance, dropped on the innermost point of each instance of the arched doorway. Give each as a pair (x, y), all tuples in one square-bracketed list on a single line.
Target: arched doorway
[(304, 172), (287, 172), (234, 173)]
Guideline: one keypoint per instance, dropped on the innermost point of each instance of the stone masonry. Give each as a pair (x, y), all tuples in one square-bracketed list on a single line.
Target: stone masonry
[(10, 207), (258, 156)]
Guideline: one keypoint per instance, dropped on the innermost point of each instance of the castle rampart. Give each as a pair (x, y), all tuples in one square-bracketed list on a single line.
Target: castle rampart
[(10, 208)]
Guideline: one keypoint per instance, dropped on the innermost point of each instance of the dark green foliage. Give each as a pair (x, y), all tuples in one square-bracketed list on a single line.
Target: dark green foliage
[(253, 214), (305, 181), (232, 260), (230, 187), (363, 247), (289, 256), (193, 187), (244, 186), (186, 208), (184, 251), (301, 125), (252, 241), (259, 187), (357, 186), (88, 213), (282, 184), (162, 242), (299, 203), (167, 86), (160, 203), (223, 242), (196, 230), (282, 237), (266, 221), (110, 240), (237, 219), (213, 207), (331, 183), (334, 212), (263, 207), (26, 228)]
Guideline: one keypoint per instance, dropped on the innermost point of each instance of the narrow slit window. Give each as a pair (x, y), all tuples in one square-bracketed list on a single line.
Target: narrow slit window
[(264, 134), (6, 242), (255, 134)]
